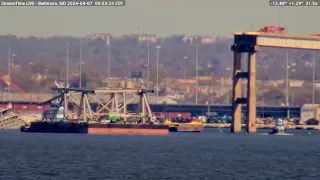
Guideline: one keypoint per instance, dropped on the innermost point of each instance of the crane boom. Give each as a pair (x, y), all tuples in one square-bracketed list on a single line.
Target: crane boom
[(14, 87)]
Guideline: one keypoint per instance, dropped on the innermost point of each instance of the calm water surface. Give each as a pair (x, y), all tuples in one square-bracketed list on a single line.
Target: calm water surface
[(210, 155)]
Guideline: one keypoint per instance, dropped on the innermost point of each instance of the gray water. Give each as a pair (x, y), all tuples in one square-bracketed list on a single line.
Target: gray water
[(210, 155)]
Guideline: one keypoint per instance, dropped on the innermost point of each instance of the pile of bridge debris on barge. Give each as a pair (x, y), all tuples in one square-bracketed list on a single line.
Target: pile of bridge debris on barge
[(8, 119), (110, 117)]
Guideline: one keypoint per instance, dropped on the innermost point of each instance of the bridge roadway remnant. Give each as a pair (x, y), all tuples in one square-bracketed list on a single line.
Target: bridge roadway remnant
[(202, 109), (249, 42)]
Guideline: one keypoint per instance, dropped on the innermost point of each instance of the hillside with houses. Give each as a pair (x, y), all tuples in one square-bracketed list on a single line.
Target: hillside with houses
[(37, 62)]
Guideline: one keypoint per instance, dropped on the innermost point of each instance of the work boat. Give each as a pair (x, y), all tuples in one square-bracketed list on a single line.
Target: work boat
[(279, 129)]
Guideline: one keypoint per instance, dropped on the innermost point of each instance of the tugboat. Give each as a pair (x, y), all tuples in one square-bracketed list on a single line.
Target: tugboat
[(180, 124), (280, 129)]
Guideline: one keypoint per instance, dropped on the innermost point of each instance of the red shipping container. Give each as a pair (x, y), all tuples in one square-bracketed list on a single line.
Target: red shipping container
[(2, 106), (158, 115), (18, 107), (34, 108), (27, 108), (47, 107)]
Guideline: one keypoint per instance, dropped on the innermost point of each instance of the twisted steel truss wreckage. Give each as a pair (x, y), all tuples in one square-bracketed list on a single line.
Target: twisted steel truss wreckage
[(8, 119), (94, 105)]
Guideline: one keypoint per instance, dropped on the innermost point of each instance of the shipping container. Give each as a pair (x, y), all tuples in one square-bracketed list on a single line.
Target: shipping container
[(2, 106), (158, 115), (18, 107), (170, 115), (185, 115), (46, 107), (27, 108)]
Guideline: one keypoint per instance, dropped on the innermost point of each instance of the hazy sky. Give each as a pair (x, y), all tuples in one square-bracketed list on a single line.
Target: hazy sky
[(160, 17)]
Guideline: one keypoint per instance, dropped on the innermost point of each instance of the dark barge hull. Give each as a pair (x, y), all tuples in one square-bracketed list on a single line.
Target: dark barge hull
[(85, 128)]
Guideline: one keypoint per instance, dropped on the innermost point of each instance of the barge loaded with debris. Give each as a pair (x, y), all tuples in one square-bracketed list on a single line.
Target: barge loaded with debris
[(108, 118), (8, 119), (96, 128)]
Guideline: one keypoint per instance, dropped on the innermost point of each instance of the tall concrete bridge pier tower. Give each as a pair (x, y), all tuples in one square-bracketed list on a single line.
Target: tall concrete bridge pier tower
[(249, 42)]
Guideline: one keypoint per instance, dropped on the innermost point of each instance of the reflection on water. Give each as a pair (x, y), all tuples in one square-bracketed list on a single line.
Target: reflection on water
[(214, 154)]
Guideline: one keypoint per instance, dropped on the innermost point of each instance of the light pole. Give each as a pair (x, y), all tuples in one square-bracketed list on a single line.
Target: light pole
[(197, 68), (157, 92), (80, 61), (109, 56), (9, 68), (211, 86), (228, 69), (313, 77), (80, 73), (67, 59), (46, 77), (148, 63), (287, 77), (185, 71), (287, 83)]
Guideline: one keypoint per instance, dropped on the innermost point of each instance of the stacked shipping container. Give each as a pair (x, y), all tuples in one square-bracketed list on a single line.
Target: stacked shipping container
[(170, 115), (26, 108)]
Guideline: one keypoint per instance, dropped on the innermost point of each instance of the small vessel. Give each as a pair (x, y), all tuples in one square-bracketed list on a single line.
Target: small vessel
[(280, 129), (180, 124)]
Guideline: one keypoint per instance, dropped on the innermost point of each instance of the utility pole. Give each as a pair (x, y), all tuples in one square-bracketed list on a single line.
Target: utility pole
[(287, 83), (109, 56), (9, 69), (67, 73), (186, 67), (157, 92), (287, 78), (139, 36), (228, 70), (313, 77), (80, 59), (148, 62), (197, 68)]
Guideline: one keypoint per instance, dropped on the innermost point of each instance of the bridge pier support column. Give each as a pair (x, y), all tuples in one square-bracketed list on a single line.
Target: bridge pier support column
[(244, 43), (251, 94), (236, 93)]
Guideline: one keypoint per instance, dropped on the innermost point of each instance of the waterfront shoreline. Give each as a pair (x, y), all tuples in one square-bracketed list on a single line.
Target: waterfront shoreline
[(262, 126)]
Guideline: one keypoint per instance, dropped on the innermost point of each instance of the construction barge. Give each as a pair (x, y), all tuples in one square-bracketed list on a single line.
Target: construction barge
[(109, 118), (95, 128)]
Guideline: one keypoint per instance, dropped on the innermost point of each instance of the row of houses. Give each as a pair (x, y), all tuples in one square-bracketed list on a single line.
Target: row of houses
[(154, 38)]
